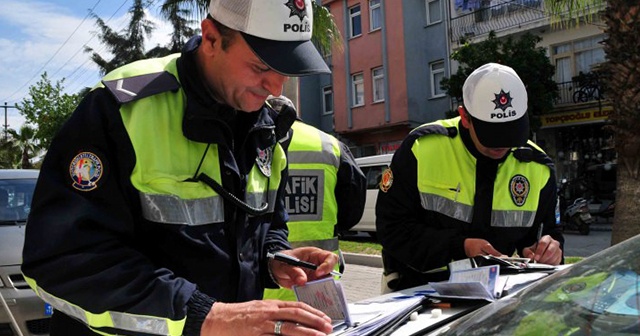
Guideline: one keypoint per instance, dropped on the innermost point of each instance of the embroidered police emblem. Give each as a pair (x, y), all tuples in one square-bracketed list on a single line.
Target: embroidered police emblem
[(85, 171), (263, 160), (297, 8), (519, 187), (503, 100), (386, 180)]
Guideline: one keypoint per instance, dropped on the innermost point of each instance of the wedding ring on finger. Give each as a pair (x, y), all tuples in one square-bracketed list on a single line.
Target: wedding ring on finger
[(278, 327)]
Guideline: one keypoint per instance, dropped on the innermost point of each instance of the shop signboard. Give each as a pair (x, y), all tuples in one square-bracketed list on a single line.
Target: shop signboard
[(576, 117)]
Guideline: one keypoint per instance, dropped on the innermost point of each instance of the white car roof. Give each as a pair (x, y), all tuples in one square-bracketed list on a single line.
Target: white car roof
[(14, 174)]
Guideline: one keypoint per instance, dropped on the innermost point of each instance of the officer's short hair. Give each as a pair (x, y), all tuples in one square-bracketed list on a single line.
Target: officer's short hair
[(228, 34)]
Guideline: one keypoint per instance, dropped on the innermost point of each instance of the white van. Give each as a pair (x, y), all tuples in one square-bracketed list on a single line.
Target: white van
[(372, 167)]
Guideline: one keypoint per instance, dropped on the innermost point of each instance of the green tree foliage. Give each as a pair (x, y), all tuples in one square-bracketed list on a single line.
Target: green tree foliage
[(9, 153), (25, 142), (179, 18), (523, 55), (325, 31), (47, 107), (127, 46)]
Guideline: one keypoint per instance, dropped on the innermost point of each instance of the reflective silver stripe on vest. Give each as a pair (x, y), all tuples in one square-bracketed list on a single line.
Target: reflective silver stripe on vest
[(170, 209), (447, 207), (136, 323), (503, 218), (258, 198), (325, 244), (315, 156), (463, 212)]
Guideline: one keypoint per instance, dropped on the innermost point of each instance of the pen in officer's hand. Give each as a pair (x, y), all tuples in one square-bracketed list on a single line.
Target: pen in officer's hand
[(293, 261), (539, 237)]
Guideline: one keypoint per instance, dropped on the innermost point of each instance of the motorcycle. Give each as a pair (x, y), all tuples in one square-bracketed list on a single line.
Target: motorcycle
[(602, 208), (574, 216)]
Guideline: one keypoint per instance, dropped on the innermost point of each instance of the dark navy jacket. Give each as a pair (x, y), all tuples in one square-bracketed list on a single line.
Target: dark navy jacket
[(94, 249)]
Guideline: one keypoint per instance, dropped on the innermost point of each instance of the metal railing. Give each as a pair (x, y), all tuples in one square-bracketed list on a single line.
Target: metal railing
[(507, 14), (582, 89)]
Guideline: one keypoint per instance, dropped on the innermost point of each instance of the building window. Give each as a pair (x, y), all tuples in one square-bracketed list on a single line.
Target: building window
[(437, 74), (375, 15), (355, 21), (434, 11), (577, 57), (327, 100), (357, 87), (377, 77)]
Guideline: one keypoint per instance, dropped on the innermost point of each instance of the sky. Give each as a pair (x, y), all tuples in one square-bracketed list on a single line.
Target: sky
[(50, 35)]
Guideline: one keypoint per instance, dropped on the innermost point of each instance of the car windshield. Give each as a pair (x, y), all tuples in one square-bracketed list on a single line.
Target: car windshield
[(598, 296), (15, 200)]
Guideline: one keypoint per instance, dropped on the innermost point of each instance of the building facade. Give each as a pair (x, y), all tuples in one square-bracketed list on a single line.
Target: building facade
[(385, 76)]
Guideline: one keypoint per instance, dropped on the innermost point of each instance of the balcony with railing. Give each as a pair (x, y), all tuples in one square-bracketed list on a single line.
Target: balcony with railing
[(585, 88), (496, 15), (500, 15)]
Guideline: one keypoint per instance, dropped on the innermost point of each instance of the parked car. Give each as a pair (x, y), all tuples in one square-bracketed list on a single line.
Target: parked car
[(598, 296), (20, 308), (372, 167)]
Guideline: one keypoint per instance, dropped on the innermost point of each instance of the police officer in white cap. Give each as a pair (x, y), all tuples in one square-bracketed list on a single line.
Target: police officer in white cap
[(161, 200), (468, 186)]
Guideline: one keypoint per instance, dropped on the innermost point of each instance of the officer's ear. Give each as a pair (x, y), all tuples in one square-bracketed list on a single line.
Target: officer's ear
[(464, 117), (210, 36)]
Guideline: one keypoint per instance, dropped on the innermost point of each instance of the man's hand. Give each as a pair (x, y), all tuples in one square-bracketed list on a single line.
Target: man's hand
[(474, 247), (287, 275), (260, 317), (546, 251)]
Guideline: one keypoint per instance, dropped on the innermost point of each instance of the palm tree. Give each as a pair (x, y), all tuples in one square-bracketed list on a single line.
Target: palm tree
[(24, 142), (622, 84), (9, 153)]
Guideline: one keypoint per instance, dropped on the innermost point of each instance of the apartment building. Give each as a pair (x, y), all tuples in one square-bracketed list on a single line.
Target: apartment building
[(384, 81)]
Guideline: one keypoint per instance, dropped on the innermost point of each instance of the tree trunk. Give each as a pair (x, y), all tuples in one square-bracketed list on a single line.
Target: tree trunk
[(622, 85), (626, 218)]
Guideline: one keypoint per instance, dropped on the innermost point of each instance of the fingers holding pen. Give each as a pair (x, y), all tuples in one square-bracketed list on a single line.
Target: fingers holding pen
[(546, 251), (297, 266)]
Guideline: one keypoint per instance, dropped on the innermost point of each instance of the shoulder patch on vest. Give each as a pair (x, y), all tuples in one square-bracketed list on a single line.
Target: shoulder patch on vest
[(128, 89), (429, 129)]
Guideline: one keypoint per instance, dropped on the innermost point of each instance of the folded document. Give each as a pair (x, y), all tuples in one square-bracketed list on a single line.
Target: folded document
[(478, 283), (489, 278), (327, 296)]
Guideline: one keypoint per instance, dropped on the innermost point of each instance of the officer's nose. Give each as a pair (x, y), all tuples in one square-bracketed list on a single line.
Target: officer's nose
[(273, 82)]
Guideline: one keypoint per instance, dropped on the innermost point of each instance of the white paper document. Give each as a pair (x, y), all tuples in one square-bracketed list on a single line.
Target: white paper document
[(371, 317), (473, 283), (327, 296)]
